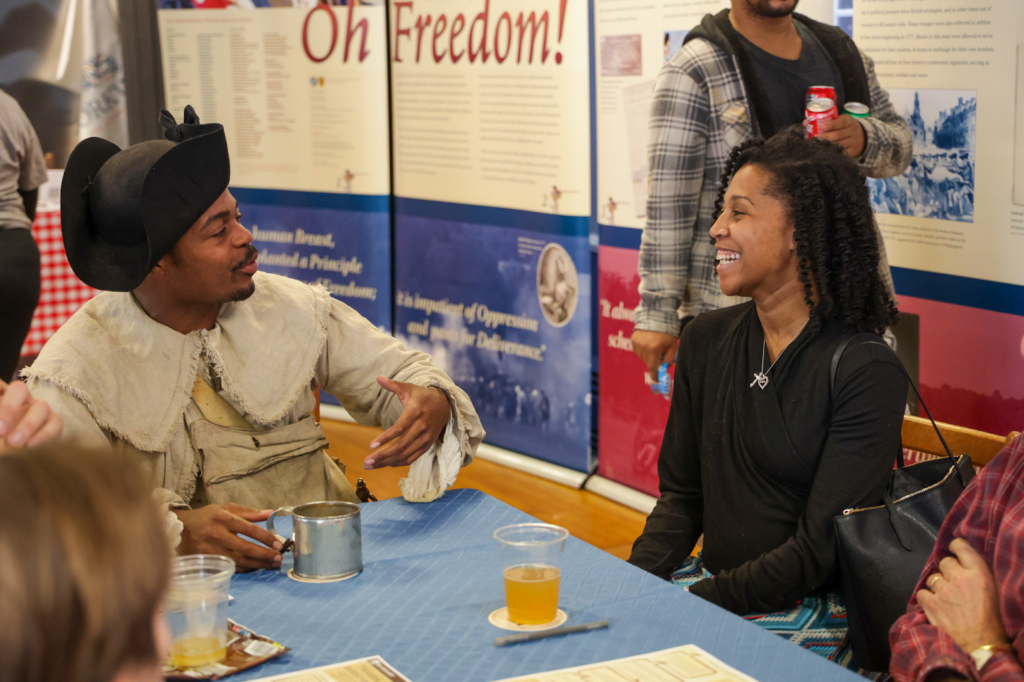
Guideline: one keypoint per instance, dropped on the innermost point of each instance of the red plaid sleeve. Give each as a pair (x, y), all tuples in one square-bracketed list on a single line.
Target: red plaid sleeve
[(1003, 667), (990, 516)]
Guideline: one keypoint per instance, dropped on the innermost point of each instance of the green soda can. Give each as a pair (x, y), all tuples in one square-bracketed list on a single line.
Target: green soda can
[(857, 110)]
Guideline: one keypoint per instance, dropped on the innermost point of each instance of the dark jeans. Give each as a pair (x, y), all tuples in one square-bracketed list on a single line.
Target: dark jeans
[(19, 294)]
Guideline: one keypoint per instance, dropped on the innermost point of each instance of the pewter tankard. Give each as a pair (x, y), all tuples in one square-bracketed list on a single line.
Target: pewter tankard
[(328, 539)]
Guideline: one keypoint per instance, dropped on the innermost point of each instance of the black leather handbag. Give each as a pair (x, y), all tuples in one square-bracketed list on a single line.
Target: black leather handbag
[(883, 549)]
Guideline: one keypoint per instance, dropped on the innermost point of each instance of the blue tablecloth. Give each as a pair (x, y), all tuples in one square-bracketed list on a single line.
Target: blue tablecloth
[(432, 576)]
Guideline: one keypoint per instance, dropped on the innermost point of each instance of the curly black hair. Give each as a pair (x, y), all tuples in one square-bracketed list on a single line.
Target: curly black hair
[(834, 228)]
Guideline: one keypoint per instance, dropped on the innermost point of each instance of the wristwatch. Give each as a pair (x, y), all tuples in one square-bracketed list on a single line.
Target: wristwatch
[(983, 653)]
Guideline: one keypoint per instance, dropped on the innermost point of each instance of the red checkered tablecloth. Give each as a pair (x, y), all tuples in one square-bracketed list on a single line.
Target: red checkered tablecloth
[(61, 293)]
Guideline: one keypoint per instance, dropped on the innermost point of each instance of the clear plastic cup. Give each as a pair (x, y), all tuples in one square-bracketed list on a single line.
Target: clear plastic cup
[(196, 607), (530, 561)]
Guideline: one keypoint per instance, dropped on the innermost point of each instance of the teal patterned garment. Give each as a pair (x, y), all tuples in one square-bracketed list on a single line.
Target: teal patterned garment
[(817, 623)]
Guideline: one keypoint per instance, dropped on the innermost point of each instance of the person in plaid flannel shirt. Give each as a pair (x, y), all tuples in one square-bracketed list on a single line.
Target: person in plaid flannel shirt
[(709, 98), (966, 620)]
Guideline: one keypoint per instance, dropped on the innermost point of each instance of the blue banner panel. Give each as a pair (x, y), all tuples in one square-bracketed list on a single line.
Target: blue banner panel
[(506, 312), (341, 241), (966, 291)]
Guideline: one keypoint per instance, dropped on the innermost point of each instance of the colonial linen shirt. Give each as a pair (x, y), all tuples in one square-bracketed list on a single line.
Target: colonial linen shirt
[(121, 379), (706, 101), (990, 516)]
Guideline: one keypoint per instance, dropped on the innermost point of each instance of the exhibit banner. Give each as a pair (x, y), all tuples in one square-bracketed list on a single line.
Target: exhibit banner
[(103, 109), (632, 44), (491, 129), (302, 93), (340, 241), (954, 221), (631, 417)]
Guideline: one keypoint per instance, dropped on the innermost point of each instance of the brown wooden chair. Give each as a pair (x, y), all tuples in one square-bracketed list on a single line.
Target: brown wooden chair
[(918, 435)]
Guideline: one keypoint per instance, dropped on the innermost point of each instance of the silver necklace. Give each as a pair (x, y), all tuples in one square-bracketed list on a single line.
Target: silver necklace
[(761, 378)]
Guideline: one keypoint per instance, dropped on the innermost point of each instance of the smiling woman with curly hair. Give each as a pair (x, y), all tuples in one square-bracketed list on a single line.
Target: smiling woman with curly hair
[(834, 236), (760, 452)]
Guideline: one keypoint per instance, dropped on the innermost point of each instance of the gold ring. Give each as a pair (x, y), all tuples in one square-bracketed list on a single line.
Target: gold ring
[(931, 581)]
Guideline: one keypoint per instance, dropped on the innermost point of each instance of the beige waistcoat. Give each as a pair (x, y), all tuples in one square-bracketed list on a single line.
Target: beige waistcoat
[(120, 378)]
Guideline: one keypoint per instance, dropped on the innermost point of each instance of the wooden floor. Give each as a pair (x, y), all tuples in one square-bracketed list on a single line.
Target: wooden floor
[(589, 517)]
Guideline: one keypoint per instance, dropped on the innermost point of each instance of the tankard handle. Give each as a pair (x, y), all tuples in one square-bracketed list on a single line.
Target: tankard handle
[(283, 511)]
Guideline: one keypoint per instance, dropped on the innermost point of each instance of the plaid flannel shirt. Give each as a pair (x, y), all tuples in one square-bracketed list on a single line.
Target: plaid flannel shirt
[(990, 516), (699, 113)]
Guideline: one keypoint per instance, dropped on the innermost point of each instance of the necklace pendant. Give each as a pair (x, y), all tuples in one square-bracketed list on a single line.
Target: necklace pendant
[(761, 379)]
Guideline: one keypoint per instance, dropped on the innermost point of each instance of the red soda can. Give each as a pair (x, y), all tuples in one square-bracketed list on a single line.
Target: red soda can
[(819, 92), (821, 109)]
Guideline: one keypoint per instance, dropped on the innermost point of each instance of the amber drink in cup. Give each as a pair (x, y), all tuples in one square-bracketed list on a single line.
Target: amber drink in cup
[(530, 558), (197, 609)]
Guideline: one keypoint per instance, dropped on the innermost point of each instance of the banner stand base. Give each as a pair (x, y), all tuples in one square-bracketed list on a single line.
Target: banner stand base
[(616, 492), (624, 495)]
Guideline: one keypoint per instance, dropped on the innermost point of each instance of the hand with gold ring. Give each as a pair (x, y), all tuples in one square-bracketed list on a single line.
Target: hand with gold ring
[(967, 606)]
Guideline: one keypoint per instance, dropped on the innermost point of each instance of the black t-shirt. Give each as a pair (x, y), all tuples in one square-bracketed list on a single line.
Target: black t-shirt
[(763, 473), (785, 81)]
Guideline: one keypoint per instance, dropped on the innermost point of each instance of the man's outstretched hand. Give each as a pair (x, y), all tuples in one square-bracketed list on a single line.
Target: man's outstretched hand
[(214, 529), (425, 414)]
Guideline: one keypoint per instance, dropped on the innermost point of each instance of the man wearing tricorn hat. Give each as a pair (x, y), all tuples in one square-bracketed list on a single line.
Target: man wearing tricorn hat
[(205, 369)]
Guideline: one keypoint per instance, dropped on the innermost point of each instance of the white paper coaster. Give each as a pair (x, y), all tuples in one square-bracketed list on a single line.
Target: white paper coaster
[(318, 581), (500, 619)]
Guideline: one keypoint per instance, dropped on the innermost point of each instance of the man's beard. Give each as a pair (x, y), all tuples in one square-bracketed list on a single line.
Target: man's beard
[(764, 8), (242, 293)]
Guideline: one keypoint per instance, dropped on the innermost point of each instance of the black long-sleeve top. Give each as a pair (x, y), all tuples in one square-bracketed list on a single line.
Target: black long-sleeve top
[(763, 472)]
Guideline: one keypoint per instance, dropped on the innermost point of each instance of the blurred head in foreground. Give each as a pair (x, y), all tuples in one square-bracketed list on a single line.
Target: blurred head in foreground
[(84, 564)]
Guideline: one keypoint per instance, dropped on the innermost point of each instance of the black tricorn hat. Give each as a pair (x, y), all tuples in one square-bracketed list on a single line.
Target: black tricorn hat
[(123, 210)]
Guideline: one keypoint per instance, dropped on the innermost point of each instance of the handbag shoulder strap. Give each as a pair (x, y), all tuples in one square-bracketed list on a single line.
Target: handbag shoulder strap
[(869, 340), (872, 339), (834, 369)]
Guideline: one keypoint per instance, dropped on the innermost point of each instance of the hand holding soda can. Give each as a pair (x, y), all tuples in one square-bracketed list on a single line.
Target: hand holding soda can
[(821, 109)]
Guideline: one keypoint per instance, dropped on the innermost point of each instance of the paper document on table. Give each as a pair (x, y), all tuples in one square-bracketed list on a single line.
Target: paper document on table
[(372, 669), (682, 664)]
